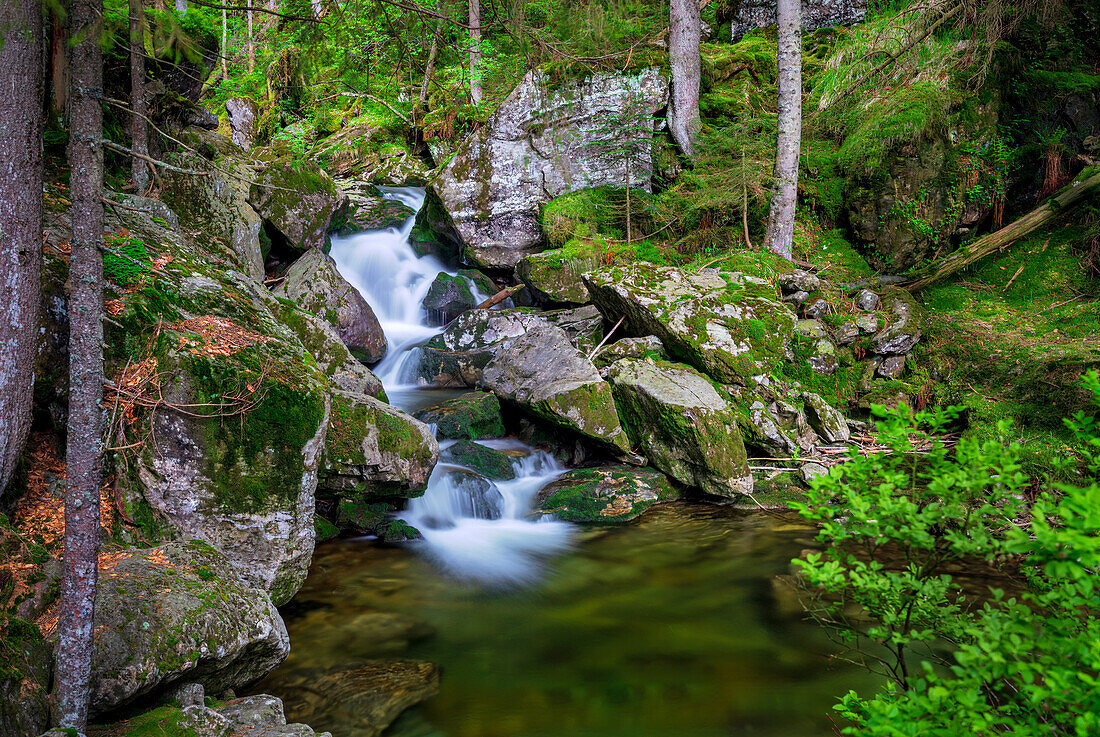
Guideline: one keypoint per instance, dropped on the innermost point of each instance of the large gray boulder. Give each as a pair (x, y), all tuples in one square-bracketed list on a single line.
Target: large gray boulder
[(374, 449), (731, 326), (543, 373), (297, 198), (458, 355), (681, 423), (750, 14), (243, 113), (314, 282), (542, 142), (179, 612)]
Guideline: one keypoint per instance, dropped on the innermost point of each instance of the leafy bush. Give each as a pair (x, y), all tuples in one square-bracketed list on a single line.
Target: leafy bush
[(897, 528)]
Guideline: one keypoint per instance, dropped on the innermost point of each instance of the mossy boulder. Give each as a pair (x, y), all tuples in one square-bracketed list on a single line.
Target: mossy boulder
[(367, 209), (554, 278), (604, 494), (178, 612), (375, 450), (372, 518), (729, 325), (448, 297), (458, 355), (825, 419), (544, 374), (471, 416), (316, 285), (648, 347), (372, 153), (680, 422), (297, 198), (486, 461)]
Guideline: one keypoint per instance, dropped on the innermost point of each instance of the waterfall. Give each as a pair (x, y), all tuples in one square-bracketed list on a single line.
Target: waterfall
[(473, 528)]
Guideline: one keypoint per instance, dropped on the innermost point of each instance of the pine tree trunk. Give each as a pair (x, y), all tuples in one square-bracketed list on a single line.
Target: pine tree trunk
[(475, 52), (181, 7), (139, 129), (20, 221), (225, 37), (251, 41), (84, 446), (785, 194), (685, 25), (430, 66), (59, 60)]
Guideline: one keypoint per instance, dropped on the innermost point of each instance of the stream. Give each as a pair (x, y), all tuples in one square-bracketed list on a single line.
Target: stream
[(679, 624)]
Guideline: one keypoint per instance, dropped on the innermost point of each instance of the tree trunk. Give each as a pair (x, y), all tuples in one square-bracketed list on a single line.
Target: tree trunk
[(20, 221), (84, 445), (785, 193), (181, 7), (139, 129), (225, 37), (475, 52), (251, 41), (1070, 196), (430, 66), (685, 25), (59, 60)]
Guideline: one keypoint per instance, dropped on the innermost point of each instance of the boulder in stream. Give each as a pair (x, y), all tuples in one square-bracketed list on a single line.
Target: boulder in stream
[(544, 374), (458, 355), (448, 297), (682, 425), (486, 461), (470, 416), (604, 494)]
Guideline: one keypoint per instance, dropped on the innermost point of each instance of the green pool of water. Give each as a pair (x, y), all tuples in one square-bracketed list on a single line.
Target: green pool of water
[(678, 625)]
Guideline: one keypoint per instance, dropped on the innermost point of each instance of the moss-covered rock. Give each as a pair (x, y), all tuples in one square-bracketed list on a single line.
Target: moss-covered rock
[(731, 326), (375, 450), (648, 347), (316, 285), (458, 355), (448, 297), (604, 494), (179, 612), (371, 152), (372, 518), (554, 279), (297, 198), (367, 209), (486, 461), (544, 374), (472, 416), (681, 423)]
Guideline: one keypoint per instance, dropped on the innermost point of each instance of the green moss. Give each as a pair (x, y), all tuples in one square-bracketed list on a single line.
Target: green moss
[(164, 721), (325, 530), (472, 416), (610, 494), (488, 462)]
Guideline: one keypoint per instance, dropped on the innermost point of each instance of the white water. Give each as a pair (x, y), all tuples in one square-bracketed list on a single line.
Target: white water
[(474, 530)]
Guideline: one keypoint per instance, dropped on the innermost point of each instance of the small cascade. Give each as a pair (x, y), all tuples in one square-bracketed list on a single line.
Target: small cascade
[(474, 528)]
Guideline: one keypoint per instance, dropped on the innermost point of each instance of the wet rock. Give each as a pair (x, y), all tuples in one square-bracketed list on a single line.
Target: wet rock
[(539, 145), (729, 325), (447, 298), (866, 300), (823, 358), (179, 612), (474, 495), (604, 494), (649, 346), (682, 425), (361, 701), (544, 374), (846, 334), (360, 517), (458, 355), (298, 199), (472, 416), (825, 420), (892, 367), (243, 113), (317, 286), (367, 209), (376, 450), (486, 461)]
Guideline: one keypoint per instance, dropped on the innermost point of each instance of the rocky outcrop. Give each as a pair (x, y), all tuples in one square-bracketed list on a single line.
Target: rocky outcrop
[(457, 356), (472, 416), (648, 347), (604, 494), (731, 326), (552, 279), (179, 612), (544, 141), (749, 14), (681, 423), (371, 154), (314, 282), (243, 113), (544, 374), (375, 450), (297, 198)]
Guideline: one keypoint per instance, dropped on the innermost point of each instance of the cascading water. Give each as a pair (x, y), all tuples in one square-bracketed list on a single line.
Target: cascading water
[(473, 528)]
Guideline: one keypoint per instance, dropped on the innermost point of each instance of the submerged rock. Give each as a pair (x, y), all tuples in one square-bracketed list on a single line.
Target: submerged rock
[(473, 416), (314, 282), (682, 425), (544, 141), (544, 374), (728, 325), (175, 612), (376, 450), (604, 494), (360, 701)]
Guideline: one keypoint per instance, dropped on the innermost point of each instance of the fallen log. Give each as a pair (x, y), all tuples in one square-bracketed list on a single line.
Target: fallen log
[(1069, 196), (499, 297)]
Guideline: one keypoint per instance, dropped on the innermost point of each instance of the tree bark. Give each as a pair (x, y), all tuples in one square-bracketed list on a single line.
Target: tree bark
[(785, 194), (225, 36), (1070, 195), (139, 129), (475, 51), (685, 27), (84, 446), (59, 60), (20, 221), (181, 7), (251, 40), (430, 66)]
